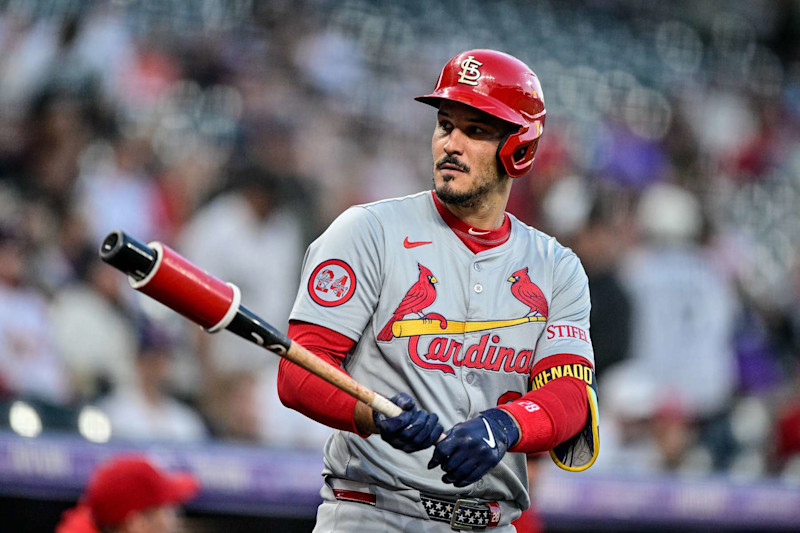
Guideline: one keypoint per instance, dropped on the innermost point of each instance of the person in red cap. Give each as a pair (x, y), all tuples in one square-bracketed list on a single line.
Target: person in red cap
[(128, 494)]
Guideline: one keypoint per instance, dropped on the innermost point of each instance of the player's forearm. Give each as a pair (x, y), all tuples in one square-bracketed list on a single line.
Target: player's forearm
[(363, 419), (550, 415), (308, 394), (317, 399)]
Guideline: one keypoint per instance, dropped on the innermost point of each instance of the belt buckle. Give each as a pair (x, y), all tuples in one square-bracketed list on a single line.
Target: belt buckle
[(454, 517)]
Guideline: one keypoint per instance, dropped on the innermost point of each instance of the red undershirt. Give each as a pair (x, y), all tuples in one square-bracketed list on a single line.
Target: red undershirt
[(563, 402), (476, 239)]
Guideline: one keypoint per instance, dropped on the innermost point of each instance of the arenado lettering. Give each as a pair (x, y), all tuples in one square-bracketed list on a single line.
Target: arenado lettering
[(443, 354), (582, 372)]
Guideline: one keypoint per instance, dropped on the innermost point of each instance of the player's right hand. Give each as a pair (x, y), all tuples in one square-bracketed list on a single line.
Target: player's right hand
[(412, 430), (472, 448)]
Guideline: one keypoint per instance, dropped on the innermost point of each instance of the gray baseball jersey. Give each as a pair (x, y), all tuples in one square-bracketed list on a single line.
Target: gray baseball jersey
[(435, 320)]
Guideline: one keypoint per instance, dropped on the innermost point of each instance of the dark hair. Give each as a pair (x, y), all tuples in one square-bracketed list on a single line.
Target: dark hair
[(252, 176)]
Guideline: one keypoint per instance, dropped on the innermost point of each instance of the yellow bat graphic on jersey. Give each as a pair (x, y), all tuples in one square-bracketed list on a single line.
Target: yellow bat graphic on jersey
[(411, 328)]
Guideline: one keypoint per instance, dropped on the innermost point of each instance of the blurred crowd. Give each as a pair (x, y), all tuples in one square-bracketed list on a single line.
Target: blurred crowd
[(234, 132)]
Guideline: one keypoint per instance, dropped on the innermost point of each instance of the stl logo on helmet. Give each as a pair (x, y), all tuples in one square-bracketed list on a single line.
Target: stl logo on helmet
[(332, 283), (469, 71)]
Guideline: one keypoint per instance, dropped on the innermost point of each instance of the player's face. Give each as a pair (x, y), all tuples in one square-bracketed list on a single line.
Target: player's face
[(157, 520), (465, 166)]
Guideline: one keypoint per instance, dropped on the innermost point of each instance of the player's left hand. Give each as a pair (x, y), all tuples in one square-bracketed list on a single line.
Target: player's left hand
[(411, 431), (472, 448)]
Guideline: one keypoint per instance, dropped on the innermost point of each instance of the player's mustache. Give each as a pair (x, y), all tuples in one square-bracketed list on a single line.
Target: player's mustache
[(451, 160)]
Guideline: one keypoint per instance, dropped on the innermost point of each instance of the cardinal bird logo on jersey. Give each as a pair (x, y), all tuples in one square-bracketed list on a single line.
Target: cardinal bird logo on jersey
[(528, 293), (419, 296)]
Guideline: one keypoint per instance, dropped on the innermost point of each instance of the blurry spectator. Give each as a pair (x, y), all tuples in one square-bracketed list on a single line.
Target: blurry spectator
[(233, 408), (683, 319), (599, 244), (144, 410), (553, 167), (683, 310), (57, 131), (793, 314), (128, 494), (58, 245), (674, 437), (27, 51), (29, 363), (244, 407), (118, 193), (788, 431), (247, 237), (280, 426), (106, 49), (642, 433), (96, 303), (589, 224), (742, 442), (627, 411)]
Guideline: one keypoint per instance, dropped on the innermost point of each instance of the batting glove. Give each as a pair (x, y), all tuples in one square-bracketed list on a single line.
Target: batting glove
[(412, 430), (472, 448)]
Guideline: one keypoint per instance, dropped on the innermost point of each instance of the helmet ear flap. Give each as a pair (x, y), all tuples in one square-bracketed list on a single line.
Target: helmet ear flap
[(526, 151), (517, 150)]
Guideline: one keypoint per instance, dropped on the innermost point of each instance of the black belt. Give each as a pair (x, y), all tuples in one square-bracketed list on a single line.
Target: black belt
[(462, 514)]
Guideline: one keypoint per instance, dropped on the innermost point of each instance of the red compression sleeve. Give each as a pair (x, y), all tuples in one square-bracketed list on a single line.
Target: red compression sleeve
[(306, 393), (553, 413)]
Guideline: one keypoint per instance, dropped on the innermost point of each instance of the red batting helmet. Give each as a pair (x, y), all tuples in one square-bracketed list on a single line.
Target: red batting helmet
[(504, 87)]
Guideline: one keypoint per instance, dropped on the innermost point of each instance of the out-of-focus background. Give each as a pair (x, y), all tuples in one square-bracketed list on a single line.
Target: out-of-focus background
[(236, 130)]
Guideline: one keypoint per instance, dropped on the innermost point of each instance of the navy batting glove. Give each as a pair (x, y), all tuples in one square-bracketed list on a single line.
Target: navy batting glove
[(412, 430), (472, 448)]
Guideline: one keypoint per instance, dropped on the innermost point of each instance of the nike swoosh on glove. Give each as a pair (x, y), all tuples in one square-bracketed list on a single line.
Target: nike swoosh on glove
[(472, 448), (412, 430)]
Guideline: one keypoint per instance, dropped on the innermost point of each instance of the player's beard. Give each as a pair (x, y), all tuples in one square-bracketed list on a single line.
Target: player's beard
[(486, 181)]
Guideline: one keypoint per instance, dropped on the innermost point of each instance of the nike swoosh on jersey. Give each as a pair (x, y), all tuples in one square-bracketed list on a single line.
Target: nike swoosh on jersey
[(472, 231), (490, 441), (414, 244)]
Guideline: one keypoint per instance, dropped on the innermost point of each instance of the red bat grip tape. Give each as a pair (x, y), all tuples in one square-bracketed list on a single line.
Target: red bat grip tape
[(183, 287)]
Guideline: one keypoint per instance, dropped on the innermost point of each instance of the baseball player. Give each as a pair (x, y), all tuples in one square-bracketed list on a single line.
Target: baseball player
[(467, 318)]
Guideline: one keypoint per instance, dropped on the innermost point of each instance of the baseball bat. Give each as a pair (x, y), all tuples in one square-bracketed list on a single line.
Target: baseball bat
[(164, 275)]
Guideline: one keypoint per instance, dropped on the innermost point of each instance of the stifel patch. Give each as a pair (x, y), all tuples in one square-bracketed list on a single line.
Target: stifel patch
[(567, 331)]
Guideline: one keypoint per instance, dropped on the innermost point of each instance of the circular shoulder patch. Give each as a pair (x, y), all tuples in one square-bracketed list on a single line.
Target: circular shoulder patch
[(332, 283)]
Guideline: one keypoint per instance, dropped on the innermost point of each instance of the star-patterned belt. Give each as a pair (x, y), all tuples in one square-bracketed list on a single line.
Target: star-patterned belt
[(462, 514)]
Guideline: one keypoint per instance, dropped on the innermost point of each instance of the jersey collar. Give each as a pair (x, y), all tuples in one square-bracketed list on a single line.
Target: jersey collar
[(476, 239)]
